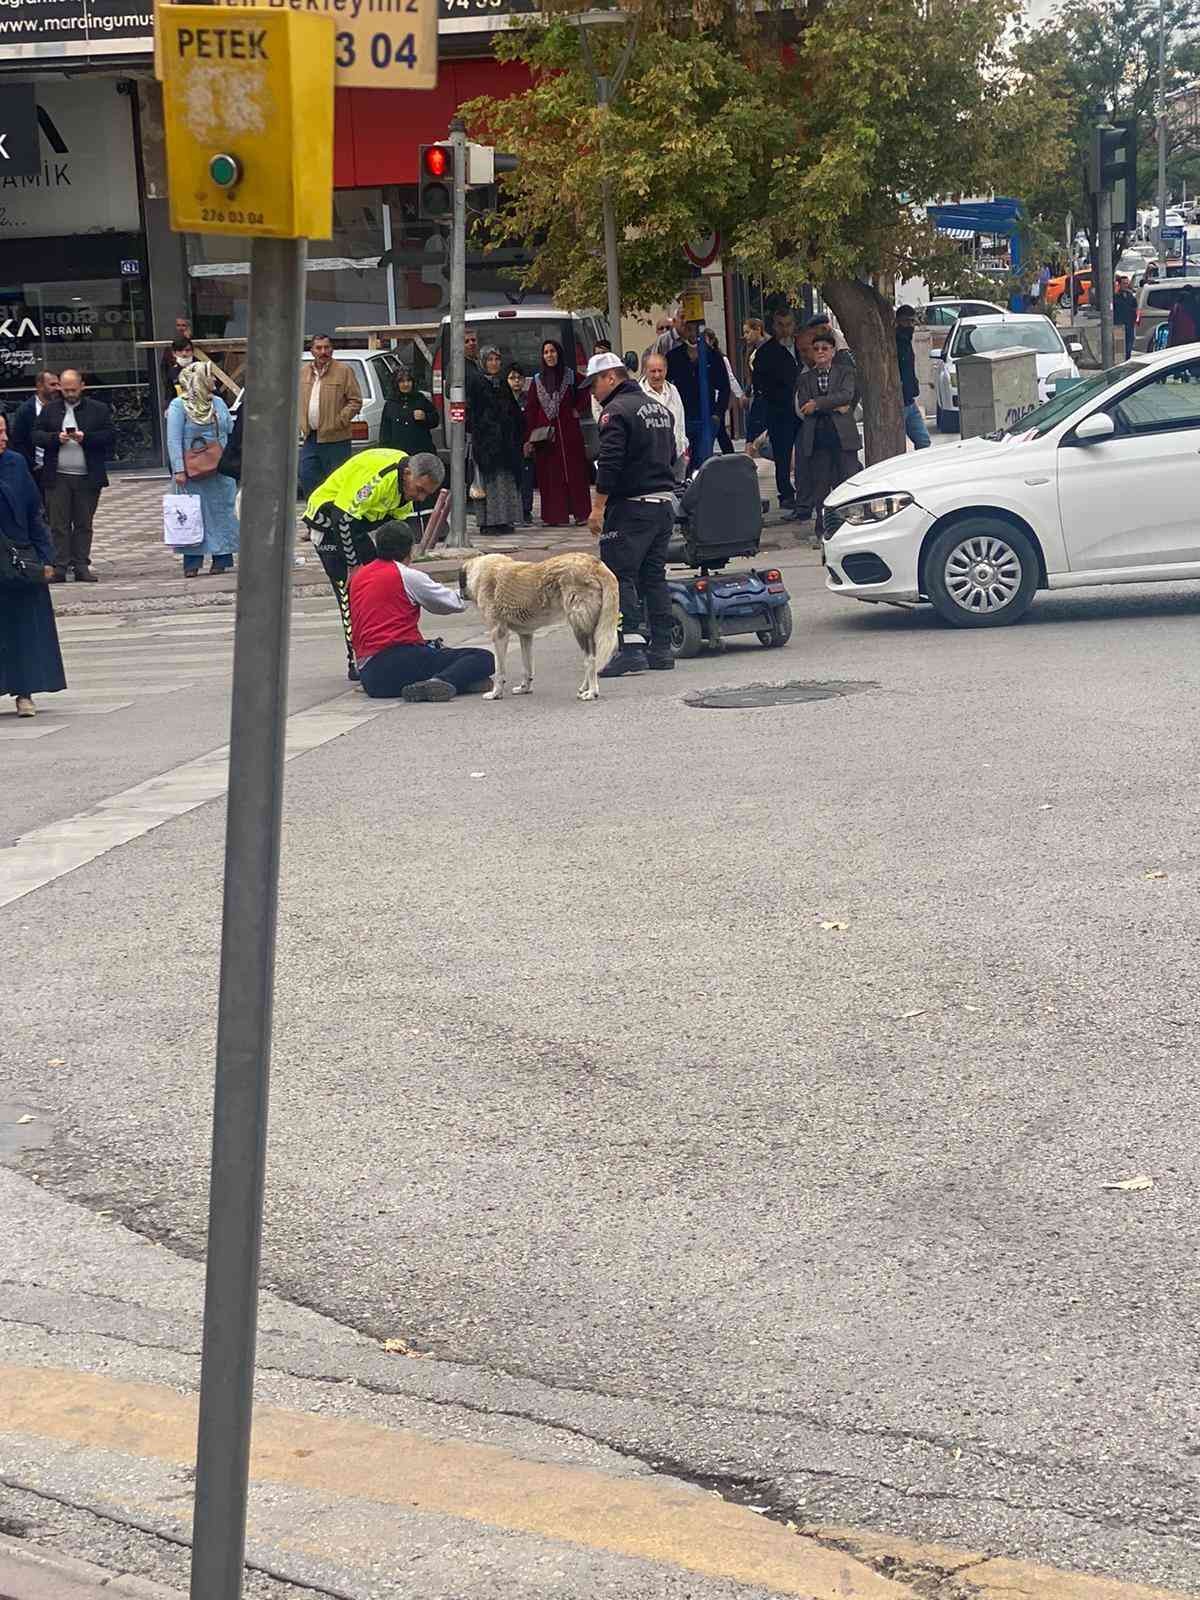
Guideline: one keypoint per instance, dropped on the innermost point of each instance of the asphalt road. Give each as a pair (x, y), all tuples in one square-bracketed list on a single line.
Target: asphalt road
[(746, 1081)]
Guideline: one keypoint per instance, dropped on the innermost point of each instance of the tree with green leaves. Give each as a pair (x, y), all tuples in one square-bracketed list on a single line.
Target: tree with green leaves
[(1105, 59), (808, 133)]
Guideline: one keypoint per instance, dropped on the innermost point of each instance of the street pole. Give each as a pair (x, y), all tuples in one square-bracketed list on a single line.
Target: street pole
[(256, 756), (1162, 125), (607, 89), (611, 268), (456, 411), (706, 417), (1104, 274)]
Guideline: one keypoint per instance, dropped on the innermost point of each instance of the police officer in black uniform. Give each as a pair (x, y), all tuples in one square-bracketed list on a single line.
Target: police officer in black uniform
[(632, 510)]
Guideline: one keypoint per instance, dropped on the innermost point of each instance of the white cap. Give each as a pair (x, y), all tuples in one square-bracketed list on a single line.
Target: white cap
[(606, 361)]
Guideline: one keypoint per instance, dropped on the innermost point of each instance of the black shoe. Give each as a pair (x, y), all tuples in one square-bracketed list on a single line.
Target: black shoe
[(624, 662), (660, 663), (432, 689), (352, 674), (85, 575), (60, 576)]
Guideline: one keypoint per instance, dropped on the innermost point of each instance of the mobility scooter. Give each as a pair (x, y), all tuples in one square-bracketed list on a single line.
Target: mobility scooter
[(720, 518)]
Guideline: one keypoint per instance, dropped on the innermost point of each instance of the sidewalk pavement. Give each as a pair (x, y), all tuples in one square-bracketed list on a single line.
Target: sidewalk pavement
[(28, 1572)]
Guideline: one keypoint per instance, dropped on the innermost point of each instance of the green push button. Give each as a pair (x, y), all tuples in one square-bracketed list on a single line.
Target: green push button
[(224, 171)]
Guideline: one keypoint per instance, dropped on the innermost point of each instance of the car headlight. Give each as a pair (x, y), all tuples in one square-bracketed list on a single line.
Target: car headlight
[(877, 509)]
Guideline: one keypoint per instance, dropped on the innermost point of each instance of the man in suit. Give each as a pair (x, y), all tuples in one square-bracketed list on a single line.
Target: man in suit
[(76, 436), (20, 432), (775, 386), (826, 394)]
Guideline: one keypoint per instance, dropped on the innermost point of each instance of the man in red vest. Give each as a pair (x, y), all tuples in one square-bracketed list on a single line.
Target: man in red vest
[(394, 660)]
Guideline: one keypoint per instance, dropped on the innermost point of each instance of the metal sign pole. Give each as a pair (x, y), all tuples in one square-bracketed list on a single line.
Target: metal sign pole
[(706, 416), (1104, 274), (456, 412), (256, 755)]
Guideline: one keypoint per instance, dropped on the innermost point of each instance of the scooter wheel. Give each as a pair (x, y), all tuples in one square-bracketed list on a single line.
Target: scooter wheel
[(687, 636), (780, 630)]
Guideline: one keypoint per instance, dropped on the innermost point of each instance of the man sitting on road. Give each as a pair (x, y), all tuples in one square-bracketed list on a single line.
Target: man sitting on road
[(386, 597), (373, 487)]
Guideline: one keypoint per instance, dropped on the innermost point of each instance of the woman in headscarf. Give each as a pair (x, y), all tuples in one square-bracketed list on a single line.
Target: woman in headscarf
[(555, 440), (197, 418), (30, 660), (408, 417), (514, 377), (497, 437)]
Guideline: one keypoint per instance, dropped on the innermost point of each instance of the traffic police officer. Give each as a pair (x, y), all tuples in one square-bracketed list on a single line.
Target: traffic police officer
[(632, 510), (373, 487)]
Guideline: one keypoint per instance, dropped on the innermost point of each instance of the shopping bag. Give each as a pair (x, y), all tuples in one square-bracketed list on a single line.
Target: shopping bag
[(183, 519)]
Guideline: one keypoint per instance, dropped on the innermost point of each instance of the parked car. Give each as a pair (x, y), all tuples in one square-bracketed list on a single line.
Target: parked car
[(373, 371), (1098, 486), (519, 333), (1154, 307), (1028, 330), (944, 312)]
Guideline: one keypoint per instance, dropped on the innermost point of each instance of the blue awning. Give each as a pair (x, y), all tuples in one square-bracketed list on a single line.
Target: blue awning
[(978, 216)]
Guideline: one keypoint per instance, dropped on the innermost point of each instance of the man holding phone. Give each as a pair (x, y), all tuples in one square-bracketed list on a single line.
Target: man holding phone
[(76, 435)]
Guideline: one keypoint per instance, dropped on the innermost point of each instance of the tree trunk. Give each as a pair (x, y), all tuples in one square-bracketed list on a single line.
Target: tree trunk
[(867, 321)]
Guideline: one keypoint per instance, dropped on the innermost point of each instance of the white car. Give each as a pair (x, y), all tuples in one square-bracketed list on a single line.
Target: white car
[(1099, 486), (945, 311), (1027, 330)]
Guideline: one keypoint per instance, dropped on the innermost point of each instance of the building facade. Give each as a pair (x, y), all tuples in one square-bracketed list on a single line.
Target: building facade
[(89, 265)]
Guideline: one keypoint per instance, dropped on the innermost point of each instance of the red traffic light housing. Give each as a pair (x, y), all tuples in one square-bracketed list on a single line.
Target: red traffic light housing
[(435, 191)]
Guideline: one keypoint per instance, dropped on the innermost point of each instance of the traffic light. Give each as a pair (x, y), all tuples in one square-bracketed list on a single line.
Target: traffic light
[(1113, 166), (435, 185), (484, 166)]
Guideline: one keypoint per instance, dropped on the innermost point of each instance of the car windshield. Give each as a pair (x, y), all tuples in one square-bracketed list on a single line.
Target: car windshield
[(1069, 399), (977, 338)]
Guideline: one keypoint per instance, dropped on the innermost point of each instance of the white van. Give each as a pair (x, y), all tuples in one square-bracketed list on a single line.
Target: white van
[(519, 332)]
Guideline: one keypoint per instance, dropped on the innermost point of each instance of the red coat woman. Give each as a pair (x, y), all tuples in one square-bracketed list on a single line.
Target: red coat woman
[(560, 462)]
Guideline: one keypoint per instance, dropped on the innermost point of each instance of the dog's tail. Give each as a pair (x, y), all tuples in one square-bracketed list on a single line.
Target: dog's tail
[(605, 635)]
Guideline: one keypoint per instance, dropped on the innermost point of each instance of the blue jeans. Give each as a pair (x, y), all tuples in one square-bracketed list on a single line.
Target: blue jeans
[(914, 425), (317, 461)]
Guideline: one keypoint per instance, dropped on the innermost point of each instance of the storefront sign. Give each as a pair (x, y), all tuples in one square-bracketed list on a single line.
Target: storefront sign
[(51, 29), (19, 153), (85, 179), (378, 44)]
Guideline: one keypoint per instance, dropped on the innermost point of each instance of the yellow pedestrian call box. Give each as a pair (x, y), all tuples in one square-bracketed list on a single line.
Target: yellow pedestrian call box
[(248, 107)]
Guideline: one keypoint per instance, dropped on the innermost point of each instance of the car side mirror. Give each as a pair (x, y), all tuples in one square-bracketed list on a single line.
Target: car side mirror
[(937, 355), (1074, 346), (1094, 428)]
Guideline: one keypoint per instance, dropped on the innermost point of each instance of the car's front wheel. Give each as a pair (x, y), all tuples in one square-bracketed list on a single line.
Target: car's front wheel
[(981, 573)]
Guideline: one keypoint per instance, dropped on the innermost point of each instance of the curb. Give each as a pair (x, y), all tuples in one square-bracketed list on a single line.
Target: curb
[(28, 1572), (368, 1478)]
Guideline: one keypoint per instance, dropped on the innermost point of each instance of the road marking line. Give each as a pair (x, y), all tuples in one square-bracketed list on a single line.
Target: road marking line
[(47, 853), (650, 1518)]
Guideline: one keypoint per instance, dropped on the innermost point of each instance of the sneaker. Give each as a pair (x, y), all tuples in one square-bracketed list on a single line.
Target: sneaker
[(432, 689), (25, 706), (624, 662), (661, 663)]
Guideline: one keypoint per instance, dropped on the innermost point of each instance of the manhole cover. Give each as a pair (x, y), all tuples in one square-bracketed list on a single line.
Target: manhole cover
[(776, 694)]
